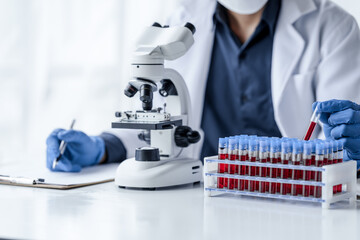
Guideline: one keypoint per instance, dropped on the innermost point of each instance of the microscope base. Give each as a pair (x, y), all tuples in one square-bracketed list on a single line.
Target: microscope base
[(164, 173)]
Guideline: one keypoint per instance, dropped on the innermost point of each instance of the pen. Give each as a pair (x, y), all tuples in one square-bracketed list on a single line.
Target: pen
[(62, 147), (21, 180)]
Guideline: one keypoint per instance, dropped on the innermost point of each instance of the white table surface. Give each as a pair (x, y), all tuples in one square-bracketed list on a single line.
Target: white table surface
[(107, 212)]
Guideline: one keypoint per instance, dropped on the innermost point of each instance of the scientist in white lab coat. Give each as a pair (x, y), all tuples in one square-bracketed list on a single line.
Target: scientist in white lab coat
[(256, 67)]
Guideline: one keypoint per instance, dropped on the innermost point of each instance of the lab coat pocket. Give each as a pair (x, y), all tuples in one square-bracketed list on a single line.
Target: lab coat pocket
[(304, 91), (304, 85)]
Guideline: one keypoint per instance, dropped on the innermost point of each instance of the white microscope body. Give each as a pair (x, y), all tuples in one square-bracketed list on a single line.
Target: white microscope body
[(161, 164)]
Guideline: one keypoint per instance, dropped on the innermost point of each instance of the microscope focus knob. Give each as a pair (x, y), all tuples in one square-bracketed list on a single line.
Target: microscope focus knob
[(184, 136), (191, 27), (147, 154)]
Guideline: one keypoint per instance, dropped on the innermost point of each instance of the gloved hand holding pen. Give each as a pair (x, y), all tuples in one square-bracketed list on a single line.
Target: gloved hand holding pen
[(341, 121), (81, 151)]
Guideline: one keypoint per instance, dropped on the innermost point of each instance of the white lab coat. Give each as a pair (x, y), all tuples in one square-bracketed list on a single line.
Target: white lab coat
[(316, 57)]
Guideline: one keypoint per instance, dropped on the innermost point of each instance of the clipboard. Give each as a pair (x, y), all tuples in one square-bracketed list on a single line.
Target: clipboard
[(30, 176)]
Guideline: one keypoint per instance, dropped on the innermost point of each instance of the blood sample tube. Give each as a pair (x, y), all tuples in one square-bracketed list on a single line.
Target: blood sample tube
[(297, 174), (339, 157), (243, 154), (253, 157), (232, 157), (263, 155), (274, 156), (285, 156), (319, 163), (278, 161), (313, 121), (335, 160), (222, 155), (330, 157), (313, 157), (307, 162)]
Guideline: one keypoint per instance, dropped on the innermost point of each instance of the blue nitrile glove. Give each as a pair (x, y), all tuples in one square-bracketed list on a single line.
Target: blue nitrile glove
[(81, 150), (341, 121)]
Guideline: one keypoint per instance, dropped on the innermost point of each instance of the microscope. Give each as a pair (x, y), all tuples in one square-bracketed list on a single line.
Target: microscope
[(163, 163)]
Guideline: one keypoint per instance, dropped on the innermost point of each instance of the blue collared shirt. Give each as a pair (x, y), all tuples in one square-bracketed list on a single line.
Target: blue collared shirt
[(238, 92)]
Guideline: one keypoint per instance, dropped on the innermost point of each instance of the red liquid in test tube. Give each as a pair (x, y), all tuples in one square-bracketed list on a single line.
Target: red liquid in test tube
[(319, 158), (307, 177), (253, 155), (232, 157), (222, 155), (263, 155), (313, 121), (285, 155), (339, 158)]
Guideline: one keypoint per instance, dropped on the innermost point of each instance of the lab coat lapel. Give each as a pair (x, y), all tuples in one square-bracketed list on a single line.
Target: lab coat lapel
[(194, 65), (287, 50)]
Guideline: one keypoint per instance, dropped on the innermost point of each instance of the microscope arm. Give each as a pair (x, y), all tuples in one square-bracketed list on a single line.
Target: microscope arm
[(183, 93)]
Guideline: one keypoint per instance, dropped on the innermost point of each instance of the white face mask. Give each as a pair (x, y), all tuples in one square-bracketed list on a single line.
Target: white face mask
[(243, 6)]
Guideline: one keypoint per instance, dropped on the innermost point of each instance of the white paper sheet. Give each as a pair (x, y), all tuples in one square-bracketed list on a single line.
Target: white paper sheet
[(87, 175)]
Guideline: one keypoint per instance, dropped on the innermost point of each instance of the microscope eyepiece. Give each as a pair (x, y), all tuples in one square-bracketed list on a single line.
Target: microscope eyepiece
[(191, 27)]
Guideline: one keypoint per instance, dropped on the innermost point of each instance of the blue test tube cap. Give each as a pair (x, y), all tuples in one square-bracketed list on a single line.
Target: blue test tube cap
[(275, 145), (243, 144), (298, 148), (307, 148), (334, 145), (340, 145), (222, 142), (313, 147), (319, 148), (286, 147), (253, 145), (232, 143), (264, 146), (326, 147)]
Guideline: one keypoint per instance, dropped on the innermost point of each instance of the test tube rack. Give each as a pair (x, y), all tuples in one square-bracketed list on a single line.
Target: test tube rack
[(343, 174)]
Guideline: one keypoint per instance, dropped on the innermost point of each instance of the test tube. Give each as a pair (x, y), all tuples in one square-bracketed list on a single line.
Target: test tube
[(253, 152), (264, 155), (285, 157), (222, 155), (307, 162), (335, 159), (232, 157), (319, 163), (297, 174), (313, 121), (274, 156), (313, 163), (243, 155), (330, 157), (339, 157)]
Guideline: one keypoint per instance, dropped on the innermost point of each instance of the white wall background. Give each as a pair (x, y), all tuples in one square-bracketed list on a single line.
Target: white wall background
[(61, 59)]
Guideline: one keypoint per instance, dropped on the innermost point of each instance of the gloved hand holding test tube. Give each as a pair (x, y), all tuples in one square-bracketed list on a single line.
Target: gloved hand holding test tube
[(341, 121)]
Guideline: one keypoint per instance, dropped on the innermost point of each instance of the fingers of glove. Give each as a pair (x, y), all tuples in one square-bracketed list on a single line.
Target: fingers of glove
[(347, 116), (344, 130), (52, 140), (65, 165), (73, 136), (51, 155), (334, 105), (327, 130), (351, 145)]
